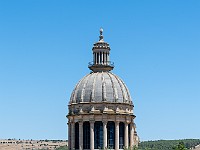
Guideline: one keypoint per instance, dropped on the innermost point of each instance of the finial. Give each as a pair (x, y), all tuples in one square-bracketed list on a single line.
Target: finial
[(101, 34), (101, 31)]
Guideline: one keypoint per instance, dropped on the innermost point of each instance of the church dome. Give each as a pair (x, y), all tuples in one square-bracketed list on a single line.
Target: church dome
[(100, 87), (100, 110)]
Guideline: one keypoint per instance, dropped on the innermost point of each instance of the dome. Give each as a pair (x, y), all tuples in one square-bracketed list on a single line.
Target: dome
[(100, 110), (100, 87)]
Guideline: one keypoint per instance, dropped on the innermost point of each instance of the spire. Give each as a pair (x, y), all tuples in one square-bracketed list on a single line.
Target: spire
[(101, 56)]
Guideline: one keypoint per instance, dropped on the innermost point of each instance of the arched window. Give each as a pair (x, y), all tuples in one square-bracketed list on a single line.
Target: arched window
[(76, 135), (121, 135), (111, 134), (86, 135), (98, 135)]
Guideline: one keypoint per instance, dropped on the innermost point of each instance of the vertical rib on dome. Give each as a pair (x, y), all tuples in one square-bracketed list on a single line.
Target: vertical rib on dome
[(100, 87)]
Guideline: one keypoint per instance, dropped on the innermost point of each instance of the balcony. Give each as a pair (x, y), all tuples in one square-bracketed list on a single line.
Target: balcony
[(107, 63)]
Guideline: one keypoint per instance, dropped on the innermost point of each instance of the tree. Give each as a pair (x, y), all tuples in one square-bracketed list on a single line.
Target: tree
[(180, 146)]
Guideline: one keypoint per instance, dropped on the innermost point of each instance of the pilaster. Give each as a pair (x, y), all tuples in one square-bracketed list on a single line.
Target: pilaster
[(72, 135), (105, 134), (91, 135), (81, 135), (116, 135), (126, 135), (69, 135)]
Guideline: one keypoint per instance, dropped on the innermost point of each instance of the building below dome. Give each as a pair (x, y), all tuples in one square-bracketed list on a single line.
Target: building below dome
[(101, 112)]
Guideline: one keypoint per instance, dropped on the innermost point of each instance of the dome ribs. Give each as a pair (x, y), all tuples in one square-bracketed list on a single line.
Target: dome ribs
[(121, 87), (83, 89), (100, 87), (114, 88), (103, 87), (93, 91), (76, 90)]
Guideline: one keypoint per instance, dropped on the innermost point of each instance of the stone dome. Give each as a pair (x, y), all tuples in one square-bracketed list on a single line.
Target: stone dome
[(100, 87), (100, 110)]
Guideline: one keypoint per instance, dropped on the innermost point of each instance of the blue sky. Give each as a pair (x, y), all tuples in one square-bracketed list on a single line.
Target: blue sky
[(45, 47)]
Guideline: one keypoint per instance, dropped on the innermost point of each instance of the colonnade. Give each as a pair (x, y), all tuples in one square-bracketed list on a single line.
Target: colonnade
[(101, 58), (120, 141)]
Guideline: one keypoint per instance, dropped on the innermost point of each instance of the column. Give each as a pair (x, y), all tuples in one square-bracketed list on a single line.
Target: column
[(131, 135), (101, 57), (105, 134), (93, 58), (72, 135), (98, 57), (106, 58), (91, 135), (126, 135), (80, 135), (116, 135), (69, 135)]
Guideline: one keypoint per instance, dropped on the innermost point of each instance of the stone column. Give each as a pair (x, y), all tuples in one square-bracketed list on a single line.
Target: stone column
[(104, 57), (98, 57), (126, 135), (95, 54), (116, 135), (91, 135), (69, 135), (72, 135), (131, 135), (101, 57), (80, 135), (104, 134), (93, 58)]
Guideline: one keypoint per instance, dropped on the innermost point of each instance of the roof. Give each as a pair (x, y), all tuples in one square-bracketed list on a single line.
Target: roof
[(101, 87)]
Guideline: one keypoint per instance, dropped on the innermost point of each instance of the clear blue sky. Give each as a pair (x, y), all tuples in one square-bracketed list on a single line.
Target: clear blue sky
[(45, 47)]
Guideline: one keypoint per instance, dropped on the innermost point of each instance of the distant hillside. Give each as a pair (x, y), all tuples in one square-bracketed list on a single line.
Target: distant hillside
[(160, 144), (62, 148), (167, 144)]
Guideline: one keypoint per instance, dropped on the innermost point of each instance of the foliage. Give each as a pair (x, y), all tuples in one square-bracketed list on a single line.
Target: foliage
[(62, 148), (161, 145), (180, 146), (169, 144)]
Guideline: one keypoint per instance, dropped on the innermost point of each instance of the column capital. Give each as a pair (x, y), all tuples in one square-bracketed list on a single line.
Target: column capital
[(105, 121), (92, 121), (80, 122), (131, 123), (117, 122)]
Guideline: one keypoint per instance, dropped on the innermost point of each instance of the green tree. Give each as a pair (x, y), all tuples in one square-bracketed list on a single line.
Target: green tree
[(180, 146)]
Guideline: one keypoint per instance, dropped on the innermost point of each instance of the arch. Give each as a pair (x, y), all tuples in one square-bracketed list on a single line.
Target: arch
[(86, 135), (121, 135), (111, 134), (76, 135), (98, 135)]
